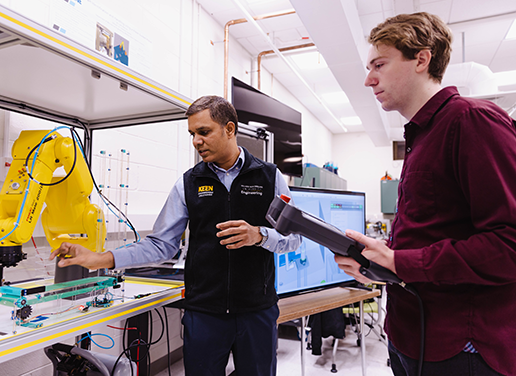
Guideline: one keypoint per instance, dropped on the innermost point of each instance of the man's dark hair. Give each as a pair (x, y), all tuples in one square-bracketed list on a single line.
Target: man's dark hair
[(221, 111)]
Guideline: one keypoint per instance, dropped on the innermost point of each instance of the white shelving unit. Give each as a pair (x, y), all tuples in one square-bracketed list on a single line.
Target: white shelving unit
[(47, 75)]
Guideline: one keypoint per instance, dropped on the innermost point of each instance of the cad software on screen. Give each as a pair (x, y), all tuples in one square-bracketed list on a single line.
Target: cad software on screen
[(313, 265)]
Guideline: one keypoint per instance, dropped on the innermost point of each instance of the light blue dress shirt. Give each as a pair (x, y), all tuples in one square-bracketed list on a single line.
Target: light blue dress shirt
[(163, 243)]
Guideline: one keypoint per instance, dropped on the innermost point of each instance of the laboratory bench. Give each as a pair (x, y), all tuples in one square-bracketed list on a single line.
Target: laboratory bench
[(16, 341)]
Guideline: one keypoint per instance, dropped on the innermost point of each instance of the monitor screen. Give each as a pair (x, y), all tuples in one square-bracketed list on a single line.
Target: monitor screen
[(283, 121), (312, 266)]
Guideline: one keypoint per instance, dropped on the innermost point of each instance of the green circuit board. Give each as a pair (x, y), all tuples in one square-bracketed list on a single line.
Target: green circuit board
[(21, 297)]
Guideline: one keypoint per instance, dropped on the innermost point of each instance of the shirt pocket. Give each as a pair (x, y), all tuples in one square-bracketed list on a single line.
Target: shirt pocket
[(418, 195)]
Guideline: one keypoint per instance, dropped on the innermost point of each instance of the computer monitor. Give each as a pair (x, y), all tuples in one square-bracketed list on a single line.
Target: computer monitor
[(312, 266), (277, 118)]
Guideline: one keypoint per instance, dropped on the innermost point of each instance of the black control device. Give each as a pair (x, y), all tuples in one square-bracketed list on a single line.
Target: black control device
[(288, 219)]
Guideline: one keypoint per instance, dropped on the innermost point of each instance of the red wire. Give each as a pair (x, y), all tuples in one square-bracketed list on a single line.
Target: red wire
[(115, 327), (33, 242), (138, 357)]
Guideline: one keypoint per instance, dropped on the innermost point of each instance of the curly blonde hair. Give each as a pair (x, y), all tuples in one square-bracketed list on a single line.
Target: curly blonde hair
[(411, 33)]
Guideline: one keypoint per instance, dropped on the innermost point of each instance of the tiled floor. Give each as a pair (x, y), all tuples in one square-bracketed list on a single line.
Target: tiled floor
[(347, 360)]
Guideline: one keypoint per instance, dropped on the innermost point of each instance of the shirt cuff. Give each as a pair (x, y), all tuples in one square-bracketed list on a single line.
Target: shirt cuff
[(272, 240), (121, 258)]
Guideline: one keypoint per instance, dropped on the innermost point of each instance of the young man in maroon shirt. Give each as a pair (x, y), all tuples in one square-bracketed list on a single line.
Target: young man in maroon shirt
[(454, 235)]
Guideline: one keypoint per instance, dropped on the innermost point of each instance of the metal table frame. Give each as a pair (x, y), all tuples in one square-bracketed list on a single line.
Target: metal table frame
[(301, 306)]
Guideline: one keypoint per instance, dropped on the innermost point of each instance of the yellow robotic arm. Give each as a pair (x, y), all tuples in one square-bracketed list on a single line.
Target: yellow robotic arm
[(69, 215)]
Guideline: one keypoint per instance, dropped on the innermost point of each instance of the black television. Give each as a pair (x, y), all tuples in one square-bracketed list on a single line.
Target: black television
[(283, 121), (312, 266)]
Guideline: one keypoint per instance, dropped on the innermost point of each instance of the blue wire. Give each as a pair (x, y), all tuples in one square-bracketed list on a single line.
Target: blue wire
[(88, 335), (108, 296)]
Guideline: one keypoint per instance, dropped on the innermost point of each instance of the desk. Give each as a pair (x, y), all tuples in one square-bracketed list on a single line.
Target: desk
[(300, 306), (13, 345)]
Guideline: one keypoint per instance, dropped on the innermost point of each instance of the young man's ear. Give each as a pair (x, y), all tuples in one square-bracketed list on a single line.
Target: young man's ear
[(423, 58)]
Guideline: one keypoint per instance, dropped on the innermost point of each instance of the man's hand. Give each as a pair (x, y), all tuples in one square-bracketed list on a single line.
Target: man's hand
[(75, 254), (240, 234), (375, 250)]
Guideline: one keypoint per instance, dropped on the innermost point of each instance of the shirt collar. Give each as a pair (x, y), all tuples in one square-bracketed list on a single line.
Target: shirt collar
[(424, 116), (238, 164)]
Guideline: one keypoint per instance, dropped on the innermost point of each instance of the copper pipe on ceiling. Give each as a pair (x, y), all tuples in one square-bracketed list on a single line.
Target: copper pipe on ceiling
[(226, 41), (306, 45)]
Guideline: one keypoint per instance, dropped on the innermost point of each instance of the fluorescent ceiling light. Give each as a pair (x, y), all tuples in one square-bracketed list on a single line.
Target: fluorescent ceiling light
[(309, 60), (338, 97), (511, 34), (351, 120), (258, 125), (293, 159)]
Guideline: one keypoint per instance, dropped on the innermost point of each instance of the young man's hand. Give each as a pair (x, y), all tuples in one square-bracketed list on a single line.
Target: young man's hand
[(375, 250)]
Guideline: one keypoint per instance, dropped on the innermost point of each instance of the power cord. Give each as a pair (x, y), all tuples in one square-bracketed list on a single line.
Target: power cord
[(37, 147), (413, 291)]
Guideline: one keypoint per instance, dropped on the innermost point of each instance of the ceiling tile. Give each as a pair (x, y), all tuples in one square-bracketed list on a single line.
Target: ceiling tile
[(289, 80), (506, 64), (289, 37), (266, 6), (213, 7), (439, 8), (472, 9), (289, 21), (242, 30), (370, 21), (507, 49), (487, 32), (370, 6), (481, 53), (275, 65)]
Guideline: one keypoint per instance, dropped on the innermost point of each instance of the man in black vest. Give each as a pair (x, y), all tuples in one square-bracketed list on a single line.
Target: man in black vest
[(230, 297)]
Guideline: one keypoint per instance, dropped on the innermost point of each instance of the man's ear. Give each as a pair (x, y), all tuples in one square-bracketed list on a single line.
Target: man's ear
[(230, 128), (423, 58)]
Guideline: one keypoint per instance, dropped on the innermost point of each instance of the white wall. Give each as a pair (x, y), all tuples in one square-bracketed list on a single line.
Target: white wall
[(362, 164)]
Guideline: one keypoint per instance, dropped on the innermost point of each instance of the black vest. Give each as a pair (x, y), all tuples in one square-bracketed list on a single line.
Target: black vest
[(218, 280)]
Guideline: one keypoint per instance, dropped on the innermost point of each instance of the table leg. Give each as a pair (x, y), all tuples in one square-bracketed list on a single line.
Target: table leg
[(380, 310), (303, 339), (362, 337)]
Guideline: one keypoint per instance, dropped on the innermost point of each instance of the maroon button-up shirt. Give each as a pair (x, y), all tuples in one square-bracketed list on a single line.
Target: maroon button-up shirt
[(454, 234)]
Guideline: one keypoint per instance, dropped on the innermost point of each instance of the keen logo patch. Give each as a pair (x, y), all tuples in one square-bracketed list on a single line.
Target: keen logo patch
[(205, 190), (251, 190)]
